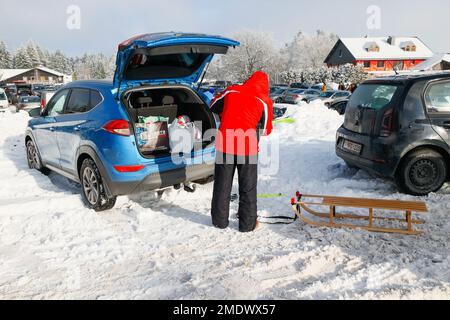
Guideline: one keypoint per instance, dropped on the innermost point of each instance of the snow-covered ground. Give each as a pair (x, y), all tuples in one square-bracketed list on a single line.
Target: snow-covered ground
[(51, 246)]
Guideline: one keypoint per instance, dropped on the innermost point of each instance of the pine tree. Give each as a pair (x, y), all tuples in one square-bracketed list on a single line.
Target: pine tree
[(33, 53), (22, 60), (5, 57)]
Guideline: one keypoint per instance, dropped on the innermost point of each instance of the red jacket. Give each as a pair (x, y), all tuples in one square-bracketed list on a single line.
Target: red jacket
[(243, 110)]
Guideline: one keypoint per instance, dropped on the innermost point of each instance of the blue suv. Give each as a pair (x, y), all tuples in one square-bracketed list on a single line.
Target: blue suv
[(88, 133)]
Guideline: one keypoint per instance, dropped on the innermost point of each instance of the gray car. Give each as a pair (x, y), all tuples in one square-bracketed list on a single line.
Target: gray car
[(276, 93), (28, 103)]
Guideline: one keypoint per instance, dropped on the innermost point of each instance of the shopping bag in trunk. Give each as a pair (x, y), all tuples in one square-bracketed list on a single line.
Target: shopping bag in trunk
[(157, 137)]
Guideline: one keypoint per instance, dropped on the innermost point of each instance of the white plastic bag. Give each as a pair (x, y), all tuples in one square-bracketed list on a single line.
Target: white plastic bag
[(183, 134)]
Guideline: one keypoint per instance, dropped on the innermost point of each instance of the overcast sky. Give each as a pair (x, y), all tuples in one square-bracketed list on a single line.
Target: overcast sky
[(105, 23)]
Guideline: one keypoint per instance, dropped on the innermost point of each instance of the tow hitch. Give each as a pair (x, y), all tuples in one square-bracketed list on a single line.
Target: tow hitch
[(188, 187)]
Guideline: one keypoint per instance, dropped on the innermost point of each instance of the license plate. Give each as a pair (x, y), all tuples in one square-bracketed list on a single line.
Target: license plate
[(352, 146)]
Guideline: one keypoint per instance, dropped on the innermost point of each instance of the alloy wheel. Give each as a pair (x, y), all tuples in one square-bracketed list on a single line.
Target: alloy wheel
[(90, 186), (33, 158)]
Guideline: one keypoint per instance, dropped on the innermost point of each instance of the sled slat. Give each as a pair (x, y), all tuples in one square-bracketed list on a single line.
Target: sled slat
[(376, 204)]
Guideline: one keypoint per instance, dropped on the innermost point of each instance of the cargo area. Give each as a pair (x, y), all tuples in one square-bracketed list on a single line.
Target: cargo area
[(167, 103)]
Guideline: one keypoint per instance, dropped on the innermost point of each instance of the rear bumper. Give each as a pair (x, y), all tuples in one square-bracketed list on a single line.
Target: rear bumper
[(365, 164), (377, 157), (162, 180)]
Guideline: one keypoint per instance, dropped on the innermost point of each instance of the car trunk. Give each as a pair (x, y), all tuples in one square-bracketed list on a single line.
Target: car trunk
[(169, 101), (370, 110)]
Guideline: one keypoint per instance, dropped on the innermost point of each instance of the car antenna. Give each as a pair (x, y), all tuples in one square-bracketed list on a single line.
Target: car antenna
[(396, 71)]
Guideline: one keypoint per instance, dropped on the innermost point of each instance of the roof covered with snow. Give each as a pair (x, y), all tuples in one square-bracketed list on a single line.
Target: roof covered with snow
[(10, 73), (433, 61), (358, 48)]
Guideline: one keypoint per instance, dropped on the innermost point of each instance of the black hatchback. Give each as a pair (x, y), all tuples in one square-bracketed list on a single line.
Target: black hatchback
[(399, 127)]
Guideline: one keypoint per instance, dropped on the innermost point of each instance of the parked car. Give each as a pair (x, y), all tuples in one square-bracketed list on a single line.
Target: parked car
[(299, 85), (27, 103), (11, 93), (4, 103), (399, 127), (88, 130), (276, 94), (330, 96), (339, 106), (300, 95)]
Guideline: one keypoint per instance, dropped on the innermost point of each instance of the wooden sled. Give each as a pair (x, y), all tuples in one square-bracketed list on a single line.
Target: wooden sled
[(328, 219)]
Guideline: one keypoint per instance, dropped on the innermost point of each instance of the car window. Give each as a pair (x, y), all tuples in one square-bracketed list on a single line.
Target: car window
[(56, 105), (437, 97), (78, 101), (373, 96), (2, 96), (96, 98)]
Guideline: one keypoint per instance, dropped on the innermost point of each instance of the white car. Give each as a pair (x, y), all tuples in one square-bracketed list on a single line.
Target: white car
[(4, 104)]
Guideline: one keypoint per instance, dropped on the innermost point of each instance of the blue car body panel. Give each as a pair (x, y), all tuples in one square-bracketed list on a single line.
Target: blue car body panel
[(64, 139), (149, 41)]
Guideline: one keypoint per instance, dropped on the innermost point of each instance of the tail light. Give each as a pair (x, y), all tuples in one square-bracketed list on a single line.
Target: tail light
[(296, 96), (43, 103), (387, 123), (120, 127), (129, 168)]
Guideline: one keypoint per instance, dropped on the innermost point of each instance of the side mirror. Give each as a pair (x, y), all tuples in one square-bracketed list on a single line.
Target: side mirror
[(36, 112)]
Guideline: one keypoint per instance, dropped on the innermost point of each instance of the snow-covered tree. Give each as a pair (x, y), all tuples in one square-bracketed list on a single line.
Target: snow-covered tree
[(94, 66), (306, 51), (6, 60), (22, 60), (59, 62), (32, 51), (256, 52)]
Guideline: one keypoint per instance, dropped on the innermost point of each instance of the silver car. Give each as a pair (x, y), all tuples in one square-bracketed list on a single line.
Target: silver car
[(332, 96), (296, 96)]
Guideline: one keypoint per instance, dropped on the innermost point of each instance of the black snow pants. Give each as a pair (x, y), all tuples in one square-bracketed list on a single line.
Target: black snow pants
[(247, 168)]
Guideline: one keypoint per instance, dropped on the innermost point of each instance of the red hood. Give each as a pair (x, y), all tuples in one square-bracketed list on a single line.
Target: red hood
[(258, 84)]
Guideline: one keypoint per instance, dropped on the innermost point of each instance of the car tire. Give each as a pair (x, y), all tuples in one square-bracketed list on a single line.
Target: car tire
[(421, 173), (34, 158), (93, 189)]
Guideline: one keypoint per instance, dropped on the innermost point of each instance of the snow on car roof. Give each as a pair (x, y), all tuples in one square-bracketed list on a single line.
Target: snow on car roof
[(358, 47)]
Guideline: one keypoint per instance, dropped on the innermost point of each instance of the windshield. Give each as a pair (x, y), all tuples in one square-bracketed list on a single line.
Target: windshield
[(277, 90), (30, 99), (373, 96), (326, 94)]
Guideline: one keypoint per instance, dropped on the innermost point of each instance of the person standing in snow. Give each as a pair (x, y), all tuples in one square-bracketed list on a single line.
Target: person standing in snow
[(246, 112)]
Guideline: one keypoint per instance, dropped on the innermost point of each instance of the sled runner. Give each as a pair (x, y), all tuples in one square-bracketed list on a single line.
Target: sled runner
[(333, 219)]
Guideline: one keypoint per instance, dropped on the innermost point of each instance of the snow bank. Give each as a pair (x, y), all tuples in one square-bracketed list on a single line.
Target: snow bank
[(51, 246)]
